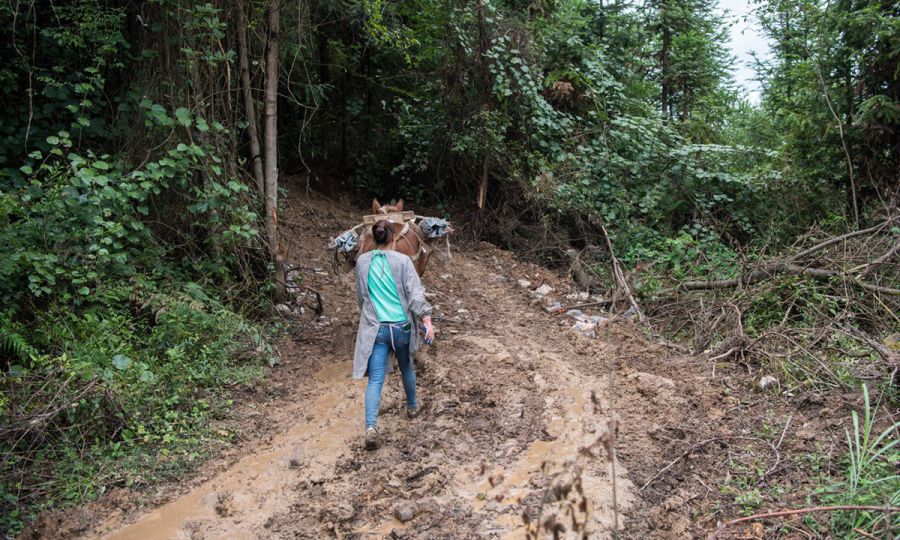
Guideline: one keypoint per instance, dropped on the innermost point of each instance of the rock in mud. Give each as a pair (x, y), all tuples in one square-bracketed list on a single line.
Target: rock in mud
[(341, 512), (586, 327), (405, 511)]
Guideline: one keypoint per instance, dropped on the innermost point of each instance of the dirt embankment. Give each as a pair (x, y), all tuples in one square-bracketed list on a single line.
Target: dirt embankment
[(524, 415)]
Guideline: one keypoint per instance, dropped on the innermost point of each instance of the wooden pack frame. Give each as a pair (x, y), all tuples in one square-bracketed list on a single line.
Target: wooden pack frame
[(394, 217)]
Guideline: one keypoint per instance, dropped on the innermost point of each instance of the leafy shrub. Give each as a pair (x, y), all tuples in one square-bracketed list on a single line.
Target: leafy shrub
[(113, 342)]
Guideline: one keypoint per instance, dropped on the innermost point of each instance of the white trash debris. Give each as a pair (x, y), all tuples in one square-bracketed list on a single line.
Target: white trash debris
[(553, 307), (767, 382), (524, 283), (543, 290)]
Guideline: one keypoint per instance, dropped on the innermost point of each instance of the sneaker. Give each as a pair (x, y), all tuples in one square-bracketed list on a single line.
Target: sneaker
[(371, 438), (412, 413)]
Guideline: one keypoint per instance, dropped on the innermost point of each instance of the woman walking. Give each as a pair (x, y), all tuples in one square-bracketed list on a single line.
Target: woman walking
[(391, 300)]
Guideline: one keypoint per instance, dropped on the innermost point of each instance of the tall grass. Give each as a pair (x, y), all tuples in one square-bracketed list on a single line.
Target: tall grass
[(871, 477)]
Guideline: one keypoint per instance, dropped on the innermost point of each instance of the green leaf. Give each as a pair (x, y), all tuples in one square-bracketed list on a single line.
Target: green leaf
[(26, 169), (121, 362), (183, 116), (84, 291)]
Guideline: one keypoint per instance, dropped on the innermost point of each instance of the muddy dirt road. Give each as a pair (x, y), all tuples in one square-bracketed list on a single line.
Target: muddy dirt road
[(517, 427), (503, 397)]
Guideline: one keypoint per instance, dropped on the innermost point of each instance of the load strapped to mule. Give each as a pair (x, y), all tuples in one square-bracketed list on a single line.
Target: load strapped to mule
[(419, 237)]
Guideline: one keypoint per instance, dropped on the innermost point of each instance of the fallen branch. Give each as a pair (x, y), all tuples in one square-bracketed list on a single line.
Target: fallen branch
[(725, 354), (320, 305), (672, 345), (564, 309), (869, 267), (619, 275), (837, 239), (771, 270), (789, 266), (721, 527)]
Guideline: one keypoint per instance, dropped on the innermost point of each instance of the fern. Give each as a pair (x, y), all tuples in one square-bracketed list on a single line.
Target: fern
[(14, 344)]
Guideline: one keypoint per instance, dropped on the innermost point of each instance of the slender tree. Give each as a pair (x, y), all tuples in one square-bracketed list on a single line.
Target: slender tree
[(249, 103), (271, 149)]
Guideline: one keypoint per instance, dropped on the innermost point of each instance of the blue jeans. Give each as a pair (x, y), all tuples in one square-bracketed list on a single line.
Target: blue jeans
[(390, 336)]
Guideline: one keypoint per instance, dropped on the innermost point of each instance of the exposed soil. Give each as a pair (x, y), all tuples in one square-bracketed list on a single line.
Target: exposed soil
[(526, 419)]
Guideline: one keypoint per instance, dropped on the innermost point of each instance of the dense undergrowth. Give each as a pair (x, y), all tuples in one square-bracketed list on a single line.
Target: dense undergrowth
[(118, 344), (132, 278)]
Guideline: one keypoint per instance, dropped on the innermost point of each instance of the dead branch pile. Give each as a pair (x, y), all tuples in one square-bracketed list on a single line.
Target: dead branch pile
[(822, 315)]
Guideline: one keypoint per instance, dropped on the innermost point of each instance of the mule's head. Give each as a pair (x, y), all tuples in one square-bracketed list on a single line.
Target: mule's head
[(377, 208)]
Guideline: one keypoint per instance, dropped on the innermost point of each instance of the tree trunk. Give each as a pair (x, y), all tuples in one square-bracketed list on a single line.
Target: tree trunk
[(485, 84), (271, 151), (482, 193), (665, 90), (249, 104)]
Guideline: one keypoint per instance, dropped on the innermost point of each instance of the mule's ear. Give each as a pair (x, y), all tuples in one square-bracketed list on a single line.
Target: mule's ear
[(376, 206), (399, 205)]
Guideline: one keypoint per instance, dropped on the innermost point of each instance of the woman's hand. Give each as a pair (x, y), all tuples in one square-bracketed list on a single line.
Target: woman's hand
[(429, 329)]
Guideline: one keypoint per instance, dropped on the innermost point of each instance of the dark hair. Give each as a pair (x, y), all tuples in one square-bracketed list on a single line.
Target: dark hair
[(383, 232)]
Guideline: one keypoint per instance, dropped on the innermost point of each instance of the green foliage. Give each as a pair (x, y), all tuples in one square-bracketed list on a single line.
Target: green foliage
[(831, 88), (123, 219), (80, 219), (870, 477), (15, 345), (691, 253), (140, 373), (562, 104)]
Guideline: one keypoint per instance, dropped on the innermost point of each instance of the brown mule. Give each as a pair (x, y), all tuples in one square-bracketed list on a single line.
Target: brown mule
[(408, 238)]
